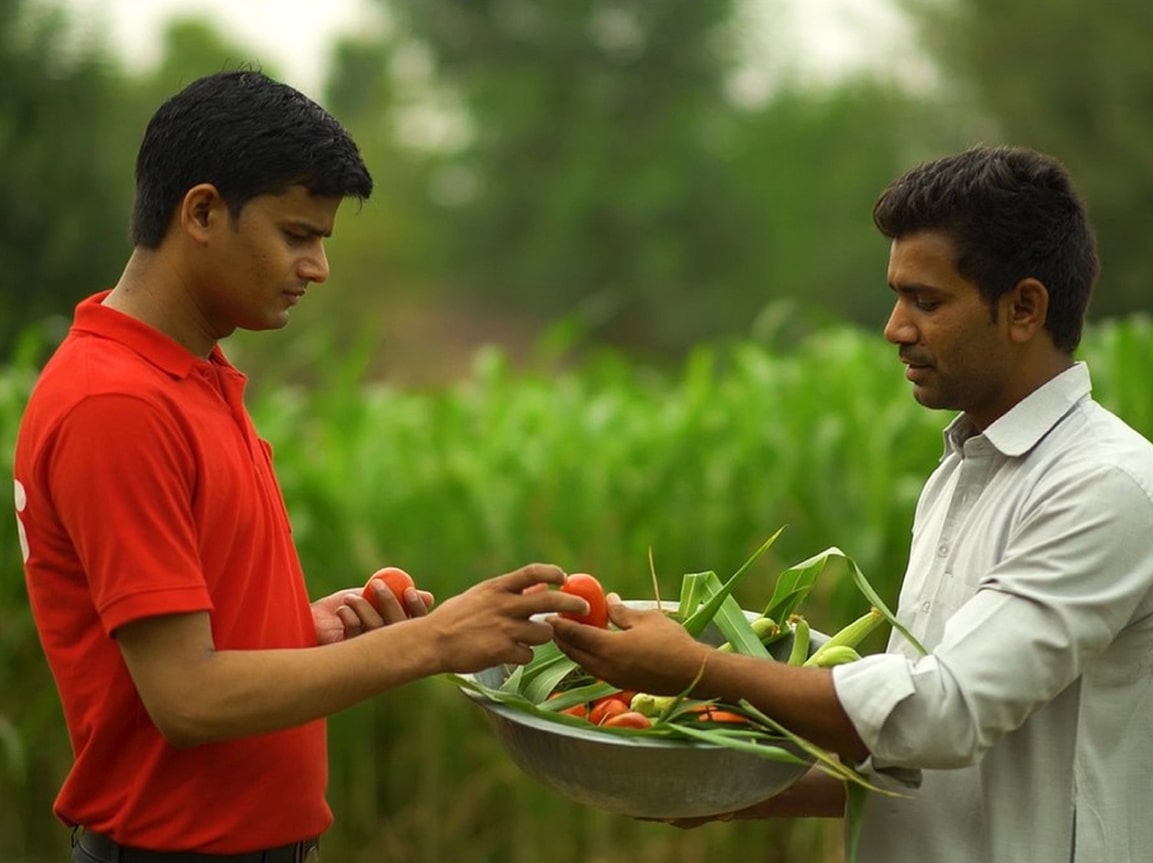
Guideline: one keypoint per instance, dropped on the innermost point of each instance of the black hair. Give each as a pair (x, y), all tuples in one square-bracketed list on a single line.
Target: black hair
[(247, 135), (1013, 214)]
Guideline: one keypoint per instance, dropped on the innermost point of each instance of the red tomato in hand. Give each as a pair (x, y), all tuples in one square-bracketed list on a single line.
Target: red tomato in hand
[(397, 581), (589, 589)]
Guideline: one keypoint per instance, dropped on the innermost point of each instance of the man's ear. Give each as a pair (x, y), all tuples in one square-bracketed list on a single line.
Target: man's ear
[(1026, 307), (201, 211)]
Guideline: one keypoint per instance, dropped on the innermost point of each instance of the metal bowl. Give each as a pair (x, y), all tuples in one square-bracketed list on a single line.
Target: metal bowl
[(658, 778)]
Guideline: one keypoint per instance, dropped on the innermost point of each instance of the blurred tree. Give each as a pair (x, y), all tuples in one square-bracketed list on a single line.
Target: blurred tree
[(591, 179), (1076, 81), (70, 124), (192, 47), (600, 171), (813, 163), (65, 176)]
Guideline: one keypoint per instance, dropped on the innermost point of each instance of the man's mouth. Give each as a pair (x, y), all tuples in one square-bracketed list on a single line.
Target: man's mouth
[(915, 367)]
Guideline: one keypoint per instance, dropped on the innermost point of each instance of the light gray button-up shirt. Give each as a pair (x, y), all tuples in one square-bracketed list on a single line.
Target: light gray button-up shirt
[(1030, 582)]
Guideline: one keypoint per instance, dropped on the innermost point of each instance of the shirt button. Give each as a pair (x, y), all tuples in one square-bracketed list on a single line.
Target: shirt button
[(943, 549), (925, 606)]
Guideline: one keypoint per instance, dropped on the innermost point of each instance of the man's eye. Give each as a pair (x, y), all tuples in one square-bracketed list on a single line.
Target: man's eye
[(925, 305), (296, 239)]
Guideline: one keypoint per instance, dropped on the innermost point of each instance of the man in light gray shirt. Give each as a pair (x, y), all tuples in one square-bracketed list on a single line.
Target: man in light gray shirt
[(1026, 732)]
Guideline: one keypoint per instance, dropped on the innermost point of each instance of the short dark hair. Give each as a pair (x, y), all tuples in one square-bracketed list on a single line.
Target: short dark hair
[(247, 135), (1013, 214)]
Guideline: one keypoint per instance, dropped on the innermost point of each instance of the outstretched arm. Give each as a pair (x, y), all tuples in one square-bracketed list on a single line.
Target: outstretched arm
[(652, 653), (197, 694)]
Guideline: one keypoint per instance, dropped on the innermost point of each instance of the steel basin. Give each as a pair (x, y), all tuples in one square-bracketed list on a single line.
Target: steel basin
[(658, 778)]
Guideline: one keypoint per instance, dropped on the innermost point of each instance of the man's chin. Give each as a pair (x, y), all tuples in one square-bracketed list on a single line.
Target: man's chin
[(928, 398)]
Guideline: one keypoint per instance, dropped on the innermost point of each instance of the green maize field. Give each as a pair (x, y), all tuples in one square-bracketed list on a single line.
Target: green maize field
[(590, 468)]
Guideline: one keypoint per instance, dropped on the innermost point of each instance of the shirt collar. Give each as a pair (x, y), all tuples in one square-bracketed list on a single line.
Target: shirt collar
[(1020, 429), (93, 317)]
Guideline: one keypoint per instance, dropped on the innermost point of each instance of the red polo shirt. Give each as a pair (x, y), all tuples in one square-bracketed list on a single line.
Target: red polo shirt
[(143, 490)]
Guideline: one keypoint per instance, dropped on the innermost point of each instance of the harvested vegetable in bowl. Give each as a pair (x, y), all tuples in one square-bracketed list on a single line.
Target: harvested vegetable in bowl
[(557, 694)]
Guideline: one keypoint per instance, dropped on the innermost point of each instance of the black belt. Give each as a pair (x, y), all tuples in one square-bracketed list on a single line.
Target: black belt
[(107, 851)]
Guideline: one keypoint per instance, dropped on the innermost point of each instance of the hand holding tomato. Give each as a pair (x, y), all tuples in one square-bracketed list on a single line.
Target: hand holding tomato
[(647, 652), (384, 600), (393, 582), (589, 589), (499, 619)]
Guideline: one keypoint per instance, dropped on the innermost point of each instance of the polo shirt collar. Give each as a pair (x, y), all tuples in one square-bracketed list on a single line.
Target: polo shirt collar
[(92, 316), (1023, 426)]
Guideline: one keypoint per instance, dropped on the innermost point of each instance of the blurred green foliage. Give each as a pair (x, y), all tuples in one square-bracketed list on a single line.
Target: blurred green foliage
[(556, 177), (1072, 79), (588, 161), (592, 468)]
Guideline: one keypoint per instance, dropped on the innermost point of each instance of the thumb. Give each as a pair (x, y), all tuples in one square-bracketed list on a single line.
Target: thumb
[(619, 613)]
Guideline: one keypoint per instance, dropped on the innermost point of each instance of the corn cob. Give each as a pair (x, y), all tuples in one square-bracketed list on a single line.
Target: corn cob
[(851, 635), (801, 636), (838, 654), (763, 627), (651, 705)]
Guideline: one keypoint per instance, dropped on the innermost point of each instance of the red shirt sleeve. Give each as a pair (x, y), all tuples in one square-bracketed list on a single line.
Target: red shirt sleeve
[(121, 479)]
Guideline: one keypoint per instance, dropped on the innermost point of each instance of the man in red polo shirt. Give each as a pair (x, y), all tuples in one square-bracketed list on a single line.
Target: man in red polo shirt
[(194, 673)]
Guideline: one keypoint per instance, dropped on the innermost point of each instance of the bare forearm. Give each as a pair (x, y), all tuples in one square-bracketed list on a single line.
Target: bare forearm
[(814, 795), (237, 693), (804, 700), (196, 693)]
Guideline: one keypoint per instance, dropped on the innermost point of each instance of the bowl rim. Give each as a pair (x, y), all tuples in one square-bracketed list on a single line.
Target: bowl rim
[(595, 735)]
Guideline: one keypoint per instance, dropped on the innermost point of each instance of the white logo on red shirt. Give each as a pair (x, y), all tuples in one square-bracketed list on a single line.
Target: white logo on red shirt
[(21, 503)]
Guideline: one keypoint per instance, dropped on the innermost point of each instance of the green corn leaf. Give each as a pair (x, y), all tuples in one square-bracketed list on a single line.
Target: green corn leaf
[(855, 797), (761, 750), (542, 684), (692, 593), (544, 657), (696, 623), (730, 619), (876, 601), (575, 696), (827, 761), (499, 696), (793, 586)]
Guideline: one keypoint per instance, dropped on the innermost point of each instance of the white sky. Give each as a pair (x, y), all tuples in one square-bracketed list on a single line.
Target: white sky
[(828, 37), (293, 35)]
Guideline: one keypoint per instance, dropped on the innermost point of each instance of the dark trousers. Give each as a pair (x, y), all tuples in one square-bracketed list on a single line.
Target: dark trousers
[(93, 848)]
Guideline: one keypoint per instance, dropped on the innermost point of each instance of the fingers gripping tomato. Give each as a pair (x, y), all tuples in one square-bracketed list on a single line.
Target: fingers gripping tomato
[(395, 578), (589, 589)]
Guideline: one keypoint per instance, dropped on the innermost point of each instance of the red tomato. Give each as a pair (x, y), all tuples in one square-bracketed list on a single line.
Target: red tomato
[(628, 719), (602, 709), (589, 589), (626, 695), (395, 578)]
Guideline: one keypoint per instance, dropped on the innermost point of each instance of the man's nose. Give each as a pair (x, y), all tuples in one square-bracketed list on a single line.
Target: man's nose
[(898, 329)]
